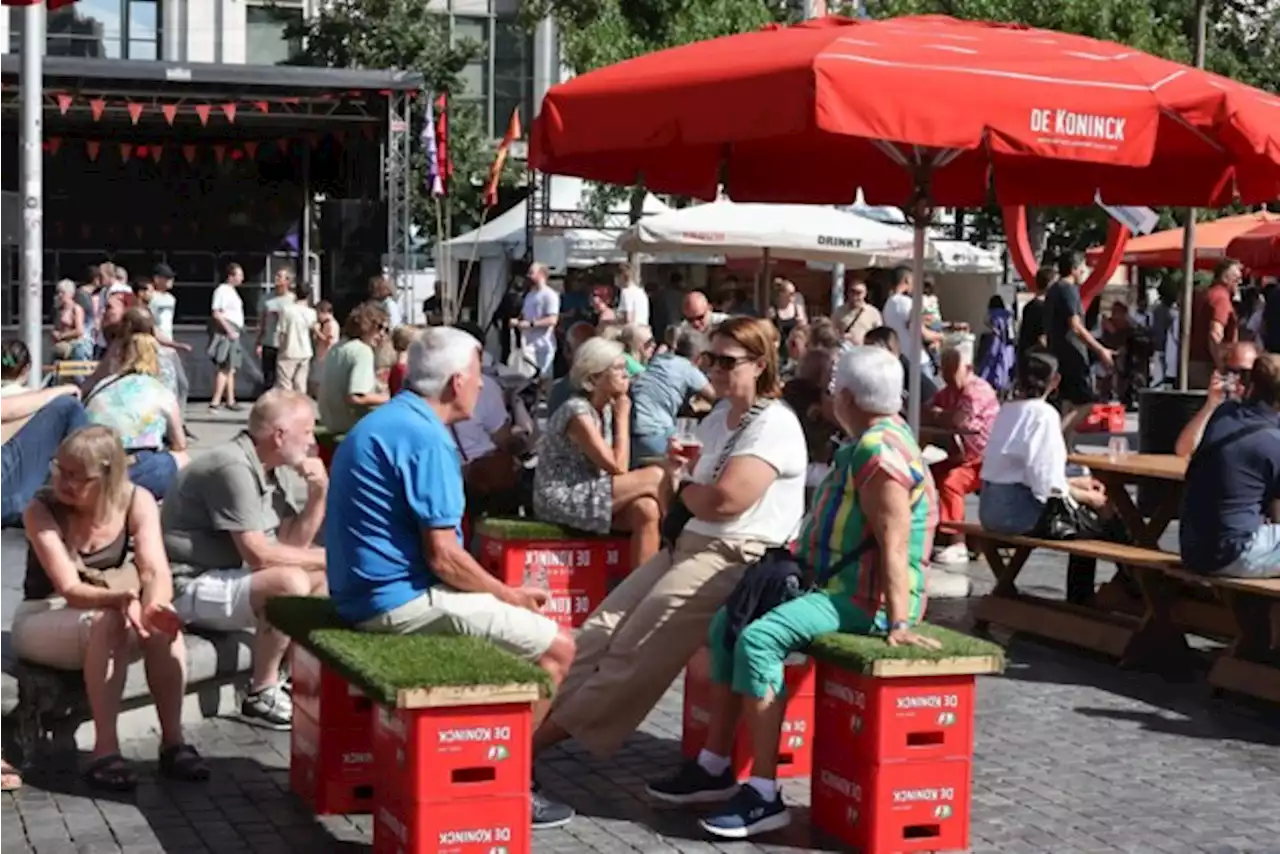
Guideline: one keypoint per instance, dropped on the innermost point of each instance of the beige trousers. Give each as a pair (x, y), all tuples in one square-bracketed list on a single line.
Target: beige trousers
[(291, 374), (641, 636)]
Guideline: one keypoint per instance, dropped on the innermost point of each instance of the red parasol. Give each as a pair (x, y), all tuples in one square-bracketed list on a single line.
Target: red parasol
[(1259, 249), (52, 4), (1164, 248)]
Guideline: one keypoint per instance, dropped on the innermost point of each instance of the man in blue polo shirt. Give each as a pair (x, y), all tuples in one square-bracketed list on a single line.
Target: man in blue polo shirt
[(393, 532)]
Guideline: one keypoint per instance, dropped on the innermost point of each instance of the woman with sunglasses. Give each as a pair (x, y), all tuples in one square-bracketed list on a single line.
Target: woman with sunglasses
[(98, 592), (745, 493)]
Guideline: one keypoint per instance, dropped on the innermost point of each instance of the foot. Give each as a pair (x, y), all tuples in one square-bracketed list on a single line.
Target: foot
[(953, 555), (693, 784), (940, 584), (233, 407), (747, 814), (10, 778), (268, 707), (111, 773), (181, 762), (548, 813), (214, 407)]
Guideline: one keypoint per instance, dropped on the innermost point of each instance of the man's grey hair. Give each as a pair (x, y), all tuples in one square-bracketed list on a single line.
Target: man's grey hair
[(593, 358), (873, 376), (66, 286), (273, 407), (690, 343), (961, 349), (438, 355), (122, 275)]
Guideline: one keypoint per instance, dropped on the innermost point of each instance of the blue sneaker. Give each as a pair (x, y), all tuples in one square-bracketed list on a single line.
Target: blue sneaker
[(747, 814), (692, 784)]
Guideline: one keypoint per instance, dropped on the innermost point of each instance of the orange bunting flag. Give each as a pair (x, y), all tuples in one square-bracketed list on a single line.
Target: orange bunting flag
[(262, 106), (251, 148), (126, 150), (495, 171), (54, 143), (91, 148), (202, 110), (189, 152), (229, 110), (170, 112), (64, 102), (219, 152), (157, 152), (97, 105), (135, 112)]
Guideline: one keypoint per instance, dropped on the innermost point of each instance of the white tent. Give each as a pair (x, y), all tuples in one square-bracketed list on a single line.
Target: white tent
[(791, 232)]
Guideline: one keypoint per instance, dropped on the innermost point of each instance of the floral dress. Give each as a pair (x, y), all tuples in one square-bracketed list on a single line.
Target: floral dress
[(569, 489)]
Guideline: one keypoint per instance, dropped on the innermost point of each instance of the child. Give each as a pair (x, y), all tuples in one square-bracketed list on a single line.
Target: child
[(324, 334)]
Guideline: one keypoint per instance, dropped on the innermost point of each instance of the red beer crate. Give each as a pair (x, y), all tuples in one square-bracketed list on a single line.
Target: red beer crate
[(331, 768), (482, 826), (893, 808), (1103, 418), (576, 572), (795, 743), (451, 754), (861, 719), (324, 695)]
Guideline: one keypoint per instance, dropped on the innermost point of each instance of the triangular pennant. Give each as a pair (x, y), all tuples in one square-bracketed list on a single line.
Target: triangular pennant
[(64, 102), (229, 110), (369, 131), (251, 149), (135, 111), (263, 106), (189, 152), (55, 142), (91, 148), (170, 112), (157, 151), (202, 110), (219, 152), (126, 150), (97, 105)]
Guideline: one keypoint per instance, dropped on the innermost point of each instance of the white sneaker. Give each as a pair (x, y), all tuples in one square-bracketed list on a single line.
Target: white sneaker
[(956, 554), (940, 584)]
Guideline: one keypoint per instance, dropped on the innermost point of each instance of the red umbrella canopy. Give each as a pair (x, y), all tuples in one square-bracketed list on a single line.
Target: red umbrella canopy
[(1258, 249), (813, 112), (52, 4)]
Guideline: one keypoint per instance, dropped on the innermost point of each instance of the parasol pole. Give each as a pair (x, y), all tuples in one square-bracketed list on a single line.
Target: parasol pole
[(915, 358), (32, 136), (1189, 237)]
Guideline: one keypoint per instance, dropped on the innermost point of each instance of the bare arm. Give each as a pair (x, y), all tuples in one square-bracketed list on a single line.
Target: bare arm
[(1193, 432), (742, 483), (584, 433), (1217, 336), (176, 429), (373, 398), (46, 541), (19, 406), (301, 530), (455, 566), (148, 550), (1078, 327), (260, 552), (888, 508), (227, 328)]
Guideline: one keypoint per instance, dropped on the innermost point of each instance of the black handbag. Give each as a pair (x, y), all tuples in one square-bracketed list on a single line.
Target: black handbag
[(1066, 520)]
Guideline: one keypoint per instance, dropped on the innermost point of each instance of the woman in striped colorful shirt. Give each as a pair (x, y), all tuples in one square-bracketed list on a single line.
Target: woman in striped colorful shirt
[(867, 542)]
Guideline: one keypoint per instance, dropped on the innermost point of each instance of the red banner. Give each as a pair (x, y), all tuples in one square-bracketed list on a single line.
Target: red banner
[(262, 106), (157, 152), (251, 148)]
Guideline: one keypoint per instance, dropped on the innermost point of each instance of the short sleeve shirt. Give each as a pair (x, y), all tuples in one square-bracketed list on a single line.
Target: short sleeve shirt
[(539, 303), (1061, 303), (136, 406), (271, 311), (350, 368), (634, 303), (659, 392), (1211, 305), (897, 316), (837, 525), (295, 331), (396, 474), (977, 406), (163, 307), (226, 299)]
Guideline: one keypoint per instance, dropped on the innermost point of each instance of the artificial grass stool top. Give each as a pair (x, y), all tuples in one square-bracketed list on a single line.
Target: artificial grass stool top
[(408, 671), (326, 437), (871, 656), (516, 528)]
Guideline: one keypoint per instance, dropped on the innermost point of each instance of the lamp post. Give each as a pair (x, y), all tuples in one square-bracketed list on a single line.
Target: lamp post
[(31, 137)]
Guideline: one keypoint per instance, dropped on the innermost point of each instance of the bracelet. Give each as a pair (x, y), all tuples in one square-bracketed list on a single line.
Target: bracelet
[(899, 624)]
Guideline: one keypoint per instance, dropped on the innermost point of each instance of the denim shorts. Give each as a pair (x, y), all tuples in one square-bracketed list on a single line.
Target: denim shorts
[(1261, 559), (1008, 508), (154, 471)]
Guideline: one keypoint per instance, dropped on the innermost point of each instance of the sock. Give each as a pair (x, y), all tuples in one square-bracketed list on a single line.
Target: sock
[(767, 789), (712, 763)]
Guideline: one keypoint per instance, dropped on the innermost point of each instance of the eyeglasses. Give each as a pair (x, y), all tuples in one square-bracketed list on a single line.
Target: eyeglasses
[(696, 320), (58, 471), (726, 363)]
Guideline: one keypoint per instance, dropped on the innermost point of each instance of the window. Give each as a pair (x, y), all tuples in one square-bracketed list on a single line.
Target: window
[(265, 27), (512, 74), (103, 29), (475, 74)]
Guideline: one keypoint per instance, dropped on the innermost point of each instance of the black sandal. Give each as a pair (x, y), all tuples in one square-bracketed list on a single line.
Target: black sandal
[(112, 773), (181, 762)]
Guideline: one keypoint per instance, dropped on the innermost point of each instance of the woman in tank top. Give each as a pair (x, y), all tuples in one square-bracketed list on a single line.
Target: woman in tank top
[(98, 594)]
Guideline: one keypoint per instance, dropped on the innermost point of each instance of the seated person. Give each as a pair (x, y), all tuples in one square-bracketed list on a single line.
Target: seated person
[(396, 559), (867, 541), (490, 447), (33, 423), (885, 338), (584, 478), (237, 534), (561, 390), (349, 385), (72, 338), (121, 325), (1231, 500), (658, 394), (637, 338), (745, 494), (1228, 384), (98, 594), (808, 395), (144, 414), (966, 403)]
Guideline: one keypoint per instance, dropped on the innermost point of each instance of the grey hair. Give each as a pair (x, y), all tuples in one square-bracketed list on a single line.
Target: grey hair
[(592, 359), (873, 376), (122, 275), (66, 286), (273, 407), (436, 356), (961, 349), (634, 336)]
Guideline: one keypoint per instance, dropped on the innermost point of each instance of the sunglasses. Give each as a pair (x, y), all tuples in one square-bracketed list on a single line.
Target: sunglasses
[(699, 319), (727, 363)]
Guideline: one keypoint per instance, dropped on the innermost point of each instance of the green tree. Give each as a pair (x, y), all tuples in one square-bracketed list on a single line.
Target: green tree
[(409, 35)]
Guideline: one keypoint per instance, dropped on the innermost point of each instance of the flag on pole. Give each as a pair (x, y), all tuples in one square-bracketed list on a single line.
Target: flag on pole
[(444, 166), (435, 182), (495, 171)]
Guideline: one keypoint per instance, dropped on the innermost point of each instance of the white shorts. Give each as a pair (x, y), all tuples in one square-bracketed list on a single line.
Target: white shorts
[(442, 610), (217, 599)]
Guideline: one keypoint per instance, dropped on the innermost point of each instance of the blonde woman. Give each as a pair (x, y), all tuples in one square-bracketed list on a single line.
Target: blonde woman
[(143, 412), (637, 338), (98, 592)]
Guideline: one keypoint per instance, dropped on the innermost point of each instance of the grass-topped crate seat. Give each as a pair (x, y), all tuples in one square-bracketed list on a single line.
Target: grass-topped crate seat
[(450, 732), (574, 566), (327, 442), (331, 766), (893, 746), (795, 742)]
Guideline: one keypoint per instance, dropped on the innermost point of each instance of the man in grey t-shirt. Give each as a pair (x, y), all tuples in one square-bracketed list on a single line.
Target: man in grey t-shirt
[(238, 533)]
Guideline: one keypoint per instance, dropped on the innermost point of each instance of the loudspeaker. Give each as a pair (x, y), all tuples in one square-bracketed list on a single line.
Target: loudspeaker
[(357, 225)]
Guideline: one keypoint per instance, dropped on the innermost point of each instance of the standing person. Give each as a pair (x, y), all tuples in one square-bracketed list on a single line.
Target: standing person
[(349, 387), (998, 359), (897, 316), (633, 302), (538, 319), (1070, 342), (383, 291), (787, 312), (226, 324), (1162, 316), (324, 334), (1214, 324), (293, 362), (267, 345), (1031, 326), (164, 306), (856, 317)]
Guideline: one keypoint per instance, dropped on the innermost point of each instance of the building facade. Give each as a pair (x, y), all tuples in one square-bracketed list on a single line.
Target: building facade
[(253, 32)]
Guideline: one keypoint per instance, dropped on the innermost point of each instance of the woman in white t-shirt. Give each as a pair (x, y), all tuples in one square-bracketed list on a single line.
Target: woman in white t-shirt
[(745, 494), (226, 322)]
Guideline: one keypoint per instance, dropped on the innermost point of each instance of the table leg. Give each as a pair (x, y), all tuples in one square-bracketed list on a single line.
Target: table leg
[(1145, 532), (1251, 664), (1158, 642)]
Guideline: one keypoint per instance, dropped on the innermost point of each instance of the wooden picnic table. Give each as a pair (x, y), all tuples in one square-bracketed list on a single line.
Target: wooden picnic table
[(1166, 470)]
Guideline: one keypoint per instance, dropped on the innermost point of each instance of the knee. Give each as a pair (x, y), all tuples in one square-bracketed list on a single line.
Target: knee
[(562, 649), (109, 629), (644, 513), (286, 581)]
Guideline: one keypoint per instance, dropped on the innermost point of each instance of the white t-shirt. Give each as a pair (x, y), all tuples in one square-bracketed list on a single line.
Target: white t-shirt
[(897, 316), (226, 299), (294, 330), (634, 303), (1026, 446), (539, 303), (163, 306), (775, 437), (395, 314)]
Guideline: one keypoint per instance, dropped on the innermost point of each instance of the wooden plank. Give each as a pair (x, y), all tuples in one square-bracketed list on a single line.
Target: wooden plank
[(1150, 466), (472, 695), (1098, 549), (1058, 621), (1246, 677), (887, 668)]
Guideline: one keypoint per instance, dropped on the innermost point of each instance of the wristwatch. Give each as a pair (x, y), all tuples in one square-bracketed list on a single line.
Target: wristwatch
[(899, 624)]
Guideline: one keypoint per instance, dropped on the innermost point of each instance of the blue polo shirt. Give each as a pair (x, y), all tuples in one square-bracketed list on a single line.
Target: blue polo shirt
[(396, 473)]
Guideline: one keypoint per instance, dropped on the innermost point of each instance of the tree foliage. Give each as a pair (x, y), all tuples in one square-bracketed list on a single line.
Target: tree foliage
[(410, 35)]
